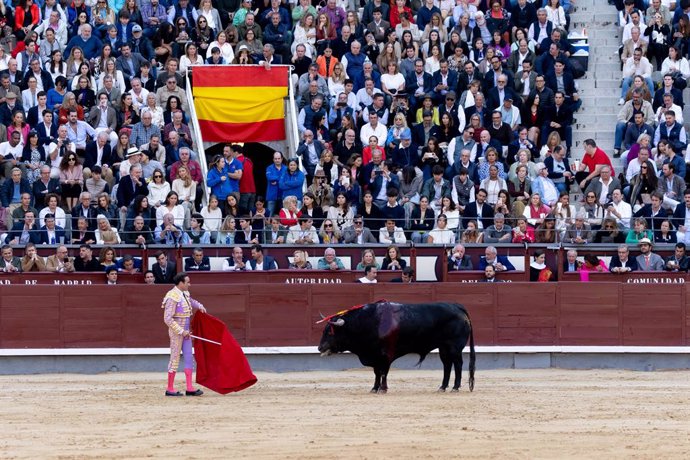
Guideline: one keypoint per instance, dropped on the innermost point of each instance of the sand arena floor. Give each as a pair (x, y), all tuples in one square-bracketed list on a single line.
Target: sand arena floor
[(511, 414)]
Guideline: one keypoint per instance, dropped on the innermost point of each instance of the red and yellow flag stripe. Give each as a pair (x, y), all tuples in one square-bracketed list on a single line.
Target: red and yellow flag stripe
[(240, 103)]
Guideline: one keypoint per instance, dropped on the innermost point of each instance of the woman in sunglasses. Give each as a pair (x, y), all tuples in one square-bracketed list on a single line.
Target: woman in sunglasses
[(71, 179)]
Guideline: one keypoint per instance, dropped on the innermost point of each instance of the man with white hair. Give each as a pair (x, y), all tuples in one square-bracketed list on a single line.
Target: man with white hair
[(490, 257), (579, 232), (544, 186), (89, 44), (458, 260), (571, 264)]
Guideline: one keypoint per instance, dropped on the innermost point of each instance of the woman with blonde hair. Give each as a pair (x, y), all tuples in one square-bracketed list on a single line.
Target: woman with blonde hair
[(118, 79), (108, 257), (289, 213), (300, 260), (157, 113), (552, 141), (226, 233), (74, 61), (329, 233), (368, 258), (104, 233), (185, 188)]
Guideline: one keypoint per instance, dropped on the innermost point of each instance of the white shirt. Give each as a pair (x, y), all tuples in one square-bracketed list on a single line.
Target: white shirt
[(398, 236), (16, 151), (366, 280), (380, 132), (625, 211)]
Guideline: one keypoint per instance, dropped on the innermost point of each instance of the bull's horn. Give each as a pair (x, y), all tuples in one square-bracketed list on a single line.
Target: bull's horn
[(322, 315), (338, 322)]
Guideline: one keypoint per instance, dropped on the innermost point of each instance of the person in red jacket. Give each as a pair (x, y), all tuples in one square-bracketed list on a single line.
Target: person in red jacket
[(26, 17)]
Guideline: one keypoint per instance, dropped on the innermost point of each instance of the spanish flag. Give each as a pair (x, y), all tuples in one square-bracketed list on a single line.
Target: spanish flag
[(240, 103)]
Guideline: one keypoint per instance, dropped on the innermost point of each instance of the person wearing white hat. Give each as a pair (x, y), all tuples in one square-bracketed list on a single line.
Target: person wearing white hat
[(133, 157), (647, 261)]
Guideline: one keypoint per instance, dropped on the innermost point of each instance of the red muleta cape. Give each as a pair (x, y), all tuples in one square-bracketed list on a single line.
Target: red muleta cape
[(221, 368)]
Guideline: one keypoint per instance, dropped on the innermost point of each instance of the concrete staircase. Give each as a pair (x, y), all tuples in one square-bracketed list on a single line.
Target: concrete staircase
[(600, 87)]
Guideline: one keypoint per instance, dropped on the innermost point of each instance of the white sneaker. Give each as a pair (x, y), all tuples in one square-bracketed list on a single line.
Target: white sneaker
[(621, 101)]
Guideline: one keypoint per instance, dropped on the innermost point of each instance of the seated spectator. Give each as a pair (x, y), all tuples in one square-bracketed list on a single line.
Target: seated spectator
[(490, 257), (370, 272), (111, 275), (393, 259), (538, 270), (52, 201), (546, 232), (610, 232), (678, 262), (544, 187), (246, 234), (81, 233), (104, 233), (458, 260), (368, 258), (18, 213), (86, 262), (259, 261), (169, 233), (580, 231), (303, 233), (571, 264), (171, 206), (196, 233), (32, 262), (604, 185), (648, 261), (441, 234), (299, 261), (50, 232), (60, 262), (490, 275), (9, 263), (637, 64), (358, 233), (164, 270), (236, 262), (406, 277), (391, 233), (290, 213), (197, 262), (671, 186), (619, 210), (593, 160), (329, 261), (24, 231), (275, 233), (139, 233), (523, 233), (471, 234), (329, 233), (498, 232), (226, 234), (129, 264), (12, 188)]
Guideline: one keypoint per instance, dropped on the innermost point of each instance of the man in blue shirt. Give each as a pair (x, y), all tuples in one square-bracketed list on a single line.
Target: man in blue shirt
[(234, 167), (90, 45)]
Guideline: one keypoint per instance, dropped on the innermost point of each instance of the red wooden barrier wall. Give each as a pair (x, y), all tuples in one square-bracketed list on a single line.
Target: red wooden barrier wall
[(607, 313)]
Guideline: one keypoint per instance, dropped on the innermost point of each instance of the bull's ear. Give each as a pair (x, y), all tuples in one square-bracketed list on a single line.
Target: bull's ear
[(338, 322)]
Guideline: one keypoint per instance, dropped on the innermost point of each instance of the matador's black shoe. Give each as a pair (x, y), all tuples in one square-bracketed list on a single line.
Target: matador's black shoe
[(173, 393), (194, 393)]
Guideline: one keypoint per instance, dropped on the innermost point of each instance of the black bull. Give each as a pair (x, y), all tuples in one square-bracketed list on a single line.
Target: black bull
[(379, 333)]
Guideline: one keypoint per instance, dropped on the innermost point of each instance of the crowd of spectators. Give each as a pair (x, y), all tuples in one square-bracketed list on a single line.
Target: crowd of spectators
[(427, 121)]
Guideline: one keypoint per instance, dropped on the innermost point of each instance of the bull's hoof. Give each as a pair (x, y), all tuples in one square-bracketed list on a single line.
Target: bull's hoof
[(441, 389), (383, 391), (374, 390), (455, 390)]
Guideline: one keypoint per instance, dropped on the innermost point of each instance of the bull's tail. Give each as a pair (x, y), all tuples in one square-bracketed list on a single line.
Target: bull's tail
[(473, 358)]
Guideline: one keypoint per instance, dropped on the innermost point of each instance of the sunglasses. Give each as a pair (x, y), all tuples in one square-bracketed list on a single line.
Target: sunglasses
[(157, 176), (358, 223), (328, 225)]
